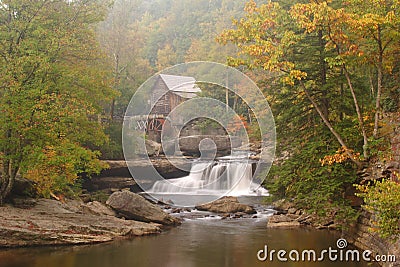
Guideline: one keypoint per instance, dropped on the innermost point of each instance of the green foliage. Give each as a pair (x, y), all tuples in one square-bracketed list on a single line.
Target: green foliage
[(383, 199), (315, 188), (389, 104), (100, 196), (148, 40), (380, 149), (207, 124), (53, 82), (332, 61), (113, 148)]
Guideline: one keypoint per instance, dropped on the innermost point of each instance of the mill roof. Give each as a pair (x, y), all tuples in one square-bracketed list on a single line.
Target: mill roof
[(184, 86)]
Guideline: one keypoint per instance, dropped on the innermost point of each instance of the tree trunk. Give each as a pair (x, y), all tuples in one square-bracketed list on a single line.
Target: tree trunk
[(6, 180), (379, 84), (371, 84), (329, 125), (235, 102), (117, 72), (322, 65), (112, 109), (359, 115), (227, 93)]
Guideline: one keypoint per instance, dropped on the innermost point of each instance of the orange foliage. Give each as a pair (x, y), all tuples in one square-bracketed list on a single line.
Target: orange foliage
[(238, 122), (340, 156)]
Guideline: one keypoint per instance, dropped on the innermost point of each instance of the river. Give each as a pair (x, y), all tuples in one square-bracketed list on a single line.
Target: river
[(199, 242)]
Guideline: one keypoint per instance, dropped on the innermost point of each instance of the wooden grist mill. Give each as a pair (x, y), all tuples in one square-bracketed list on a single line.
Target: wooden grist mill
[(168, 92)]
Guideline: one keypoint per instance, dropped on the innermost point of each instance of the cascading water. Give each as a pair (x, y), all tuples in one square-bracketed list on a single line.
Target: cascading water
[(232, 174)]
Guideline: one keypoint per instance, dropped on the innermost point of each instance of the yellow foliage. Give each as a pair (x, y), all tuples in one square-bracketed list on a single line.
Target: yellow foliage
[(48, 172), (340, 156)]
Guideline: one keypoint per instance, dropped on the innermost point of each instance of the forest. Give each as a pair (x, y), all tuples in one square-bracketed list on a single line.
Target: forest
[(69, 69)]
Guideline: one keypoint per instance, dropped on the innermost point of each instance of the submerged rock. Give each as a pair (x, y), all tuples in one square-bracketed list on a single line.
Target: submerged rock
[(51, 222), (135, 207), (226, 205)]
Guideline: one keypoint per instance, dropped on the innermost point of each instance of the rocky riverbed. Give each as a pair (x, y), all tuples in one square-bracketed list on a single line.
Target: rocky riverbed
[(40, 222), (72, 222)]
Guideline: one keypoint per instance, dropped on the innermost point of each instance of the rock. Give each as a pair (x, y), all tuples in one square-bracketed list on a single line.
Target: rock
[(153, 148), (239, 215), (169, 201), (168, 147), (190, 144), (283, 224), (282, 221), (176, 210), (279, 212), (85, 197), (22, 187), (292, 210), (134, 207), (23, 203), (172, 167), (226, 205), (97, 208), (51, 222), (280, 218), (101, 183), (225, 216), (334, 226), (282, 205)]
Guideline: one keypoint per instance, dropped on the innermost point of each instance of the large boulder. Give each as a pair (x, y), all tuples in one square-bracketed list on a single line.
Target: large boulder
[(224, 143), (97, 208), (226, 205), (51, 222), (22, 187), (135, 207), (165, 166)]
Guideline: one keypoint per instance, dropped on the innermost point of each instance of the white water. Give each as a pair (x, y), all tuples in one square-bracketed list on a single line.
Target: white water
[(228, 176)]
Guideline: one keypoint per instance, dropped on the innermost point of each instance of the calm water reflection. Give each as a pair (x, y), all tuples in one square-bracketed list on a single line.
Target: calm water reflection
[(197, 243)]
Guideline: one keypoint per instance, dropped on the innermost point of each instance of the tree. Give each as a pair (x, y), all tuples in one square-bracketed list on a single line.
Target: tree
[(122, 38), (276, 38), (321, 91), (359, 32), (52, 84)]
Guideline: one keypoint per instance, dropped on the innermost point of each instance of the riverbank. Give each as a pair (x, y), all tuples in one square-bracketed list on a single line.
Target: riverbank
[(360, 234), (203, 240), (44, 222)]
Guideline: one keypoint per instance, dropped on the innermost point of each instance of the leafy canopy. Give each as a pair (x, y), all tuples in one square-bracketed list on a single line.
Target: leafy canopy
[(52, 84)]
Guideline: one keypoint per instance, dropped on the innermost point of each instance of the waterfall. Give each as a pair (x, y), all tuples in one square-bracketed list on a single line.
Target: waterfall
[(230, 174)]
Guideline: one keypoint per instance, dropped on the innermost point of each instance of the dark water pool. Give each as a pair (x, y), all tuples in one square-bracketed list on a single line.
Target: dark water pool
[(196, 243)]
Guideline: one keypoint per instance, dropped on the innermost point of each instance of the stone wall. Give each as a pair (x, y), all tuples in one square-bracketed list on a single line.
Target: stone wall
[(361, 235), (395, 137), (363, 238)]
